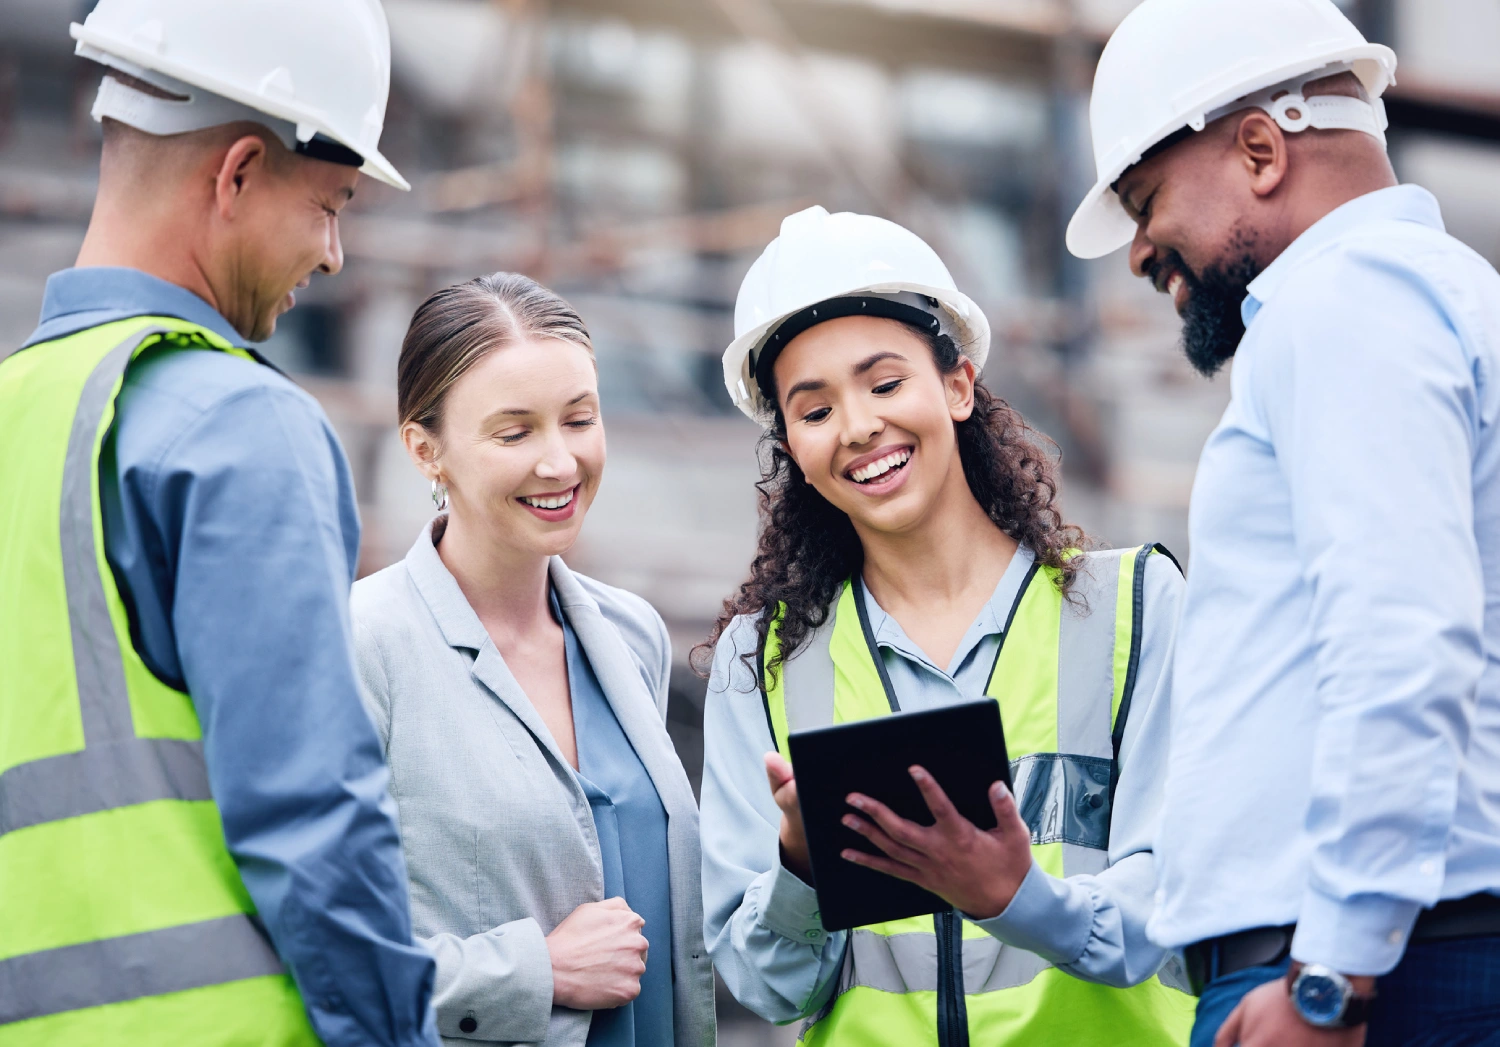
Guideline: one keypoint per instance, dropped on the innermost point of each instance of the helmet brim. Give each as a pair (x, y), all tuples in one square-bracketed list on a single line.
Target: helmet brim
[(381, 169), (1100, 226)]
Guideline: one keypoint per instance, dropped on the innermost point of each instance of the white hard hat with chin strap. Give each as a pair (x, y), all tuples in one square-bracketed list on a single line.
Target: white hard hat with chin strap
[(827, 266), (1175, 66), (316, 74)]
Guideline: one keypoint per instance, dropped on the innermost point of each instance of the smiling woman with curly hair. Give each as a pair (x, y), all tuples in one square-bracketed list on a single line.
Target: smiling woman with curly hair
[(912, 556), (808, 547)]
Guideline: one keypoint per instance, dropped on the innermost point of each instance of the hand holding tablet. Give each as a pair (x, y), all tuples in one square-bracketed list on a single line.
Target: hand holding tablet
[(977, 871), (923, 843)]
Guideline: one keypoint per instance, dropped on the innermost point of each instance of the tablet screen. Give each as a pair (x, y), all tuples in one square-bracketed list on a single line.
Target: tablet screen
[(962, 746)]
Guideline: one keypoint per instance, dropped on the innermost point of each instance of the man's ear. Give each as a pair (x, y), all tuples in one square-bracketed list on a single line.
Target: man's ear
[(246, 161), (959, 387), (1261, 150)]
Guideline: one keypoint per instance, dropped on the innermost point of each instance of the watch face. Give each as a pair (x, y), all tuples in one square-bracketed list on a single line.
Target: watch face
[(1319, 998)]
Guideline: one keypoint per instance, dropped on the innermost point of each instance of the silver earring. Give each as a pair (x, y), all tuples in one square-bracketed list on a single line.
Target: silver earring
[(439, 495)]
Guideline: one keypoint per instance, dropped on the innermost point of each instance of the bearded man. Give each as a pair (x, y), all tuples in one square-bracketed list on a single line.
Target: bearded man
[(1329, 852)]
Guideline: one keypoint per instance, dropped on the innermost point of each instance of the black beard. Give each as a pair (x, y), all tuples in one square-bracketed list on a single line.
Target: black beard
[(1212, 324)]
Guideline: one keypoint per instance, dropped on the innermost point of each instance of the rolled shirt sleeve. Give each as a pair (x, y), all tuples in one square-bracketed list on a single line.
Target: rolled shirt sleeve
[(245, 521), (761, 921), (1373, 414), (1094, 926)]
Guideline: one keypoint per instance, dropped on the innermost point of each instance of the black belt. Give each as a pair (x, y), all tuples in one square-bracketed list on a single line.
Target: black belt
[(1477, 916)]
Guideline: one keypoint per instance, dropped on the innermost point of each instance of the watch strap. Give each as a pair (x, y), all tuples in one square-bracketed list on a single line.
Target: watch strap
[(1357, 1010)]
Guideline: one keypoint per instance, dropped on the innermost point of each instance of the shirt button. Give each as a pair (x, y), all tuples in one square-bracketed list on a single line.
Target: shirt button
[(1394, 937), (813, 936), (467, 1024), (1428, 867)]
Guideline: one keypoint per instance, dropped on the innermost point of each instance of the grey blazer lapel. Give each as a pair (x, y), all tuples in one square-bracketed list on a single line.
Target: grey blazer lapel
[(634, 706), (490, 669), (461, 627)]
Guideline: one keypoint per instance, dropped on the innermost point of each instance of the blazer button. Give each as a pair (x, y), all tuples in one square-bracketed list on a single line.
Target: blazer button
[(467, 1023)]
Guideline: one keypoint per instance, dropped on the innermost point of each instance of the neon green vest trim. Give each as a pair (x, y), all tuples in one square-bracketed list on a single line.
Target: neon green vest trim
[(1063, 679), (125, 920)]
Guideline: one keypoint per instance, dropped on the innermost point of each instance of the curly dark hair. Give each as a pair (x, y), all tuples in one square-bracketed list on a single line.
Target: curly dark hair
[(808, 548)]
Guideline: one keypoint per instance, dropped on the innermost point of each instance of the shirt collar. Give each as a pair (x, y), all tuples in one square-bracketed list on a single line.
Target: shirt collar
[(80, 298), (992, 618), (1401, 203)]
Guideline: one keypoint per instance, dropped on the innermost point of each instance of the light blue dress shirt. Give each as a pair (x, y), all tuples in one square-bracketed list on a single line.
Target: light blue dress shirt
[(761, 921), (231, 526), (632, 828), (1336, 714)]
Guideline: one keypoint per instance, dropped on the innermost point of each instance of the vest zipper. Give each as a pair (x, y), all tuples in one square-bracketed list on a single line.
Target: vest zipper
[(952, 1009)]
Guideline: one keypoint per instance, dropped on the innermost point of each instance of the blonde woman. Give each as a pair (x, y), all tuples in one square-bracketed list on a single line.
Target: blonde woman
[(551, 835)]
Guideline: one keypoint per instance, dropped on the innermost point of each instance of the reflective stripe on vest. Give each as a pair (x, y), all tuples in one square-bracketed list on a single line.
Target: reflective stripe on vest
[(51, 801), (1063, 677), (115, 768)]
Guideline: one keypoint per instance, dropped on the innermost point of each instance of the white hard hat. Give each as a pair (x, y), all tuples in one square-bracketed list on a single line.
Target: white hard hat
[(1178, 64), (854, 263), (317, 73)]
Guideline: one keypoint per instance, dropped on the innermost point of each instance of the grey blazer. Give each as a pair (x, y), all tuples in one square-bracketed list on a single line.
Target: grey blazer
[(499, 838)]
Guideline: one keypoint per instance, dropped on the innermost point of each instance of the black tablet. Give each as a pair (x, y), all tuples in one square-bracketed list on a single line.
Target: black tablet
[(962, 746)]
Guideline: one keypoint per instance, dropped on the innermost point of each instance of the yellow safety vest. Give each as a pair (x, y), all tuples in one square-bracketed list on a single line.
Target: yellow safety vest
[(1063, 677), (123, 919)]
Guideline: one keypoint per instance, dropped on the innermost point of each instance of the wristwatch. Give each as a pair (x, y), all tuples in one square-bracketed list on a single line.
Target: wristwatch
[(1324, 998)]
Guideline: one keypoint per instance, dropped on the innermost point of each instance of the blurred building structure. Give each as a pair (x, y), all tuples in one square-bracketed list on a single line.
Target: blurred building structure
[(637, 154)]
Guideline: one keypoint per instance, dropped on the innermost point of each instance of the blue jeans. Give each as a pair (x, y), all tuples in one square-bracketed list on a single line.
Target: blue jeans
[(1442, 994), (1222, 995)]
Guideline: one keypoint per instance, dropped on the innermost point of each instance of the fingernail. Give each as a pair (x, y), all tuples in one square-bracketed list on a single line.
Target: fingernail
[(855, 800), (999, 790), (916, 772), (851, 821), (849, 856)]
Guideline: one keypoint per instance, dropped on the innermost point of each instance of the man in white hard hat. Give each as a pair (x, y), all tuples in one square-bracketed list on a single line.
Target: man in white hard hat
[(197, 844), (1329, 857)]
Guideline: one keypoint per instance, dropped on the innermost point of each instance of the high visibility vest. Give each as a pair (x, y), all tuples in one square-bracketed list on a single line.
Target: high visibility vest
[(123, 919), (1063, 677)]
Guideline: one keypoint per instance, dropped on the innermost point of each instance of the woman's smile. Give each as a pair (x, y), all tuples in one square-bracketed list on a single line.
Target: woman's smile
[(882, 471), (554, 507)]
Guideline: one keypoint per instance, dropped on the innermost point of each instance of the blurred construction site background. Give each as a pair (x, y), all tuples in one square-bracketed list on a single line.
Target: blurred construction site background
[(637, 154)]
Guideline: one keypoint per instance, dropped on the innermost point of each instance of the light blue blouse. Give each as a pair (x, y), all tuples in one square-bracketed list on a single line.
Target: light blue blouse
[(632, 828)]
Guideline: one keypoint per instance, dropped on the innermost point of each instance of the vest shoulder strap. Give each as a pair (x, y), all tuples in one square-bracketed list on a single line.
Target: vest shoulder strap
[(808, 673), (1137, 597)]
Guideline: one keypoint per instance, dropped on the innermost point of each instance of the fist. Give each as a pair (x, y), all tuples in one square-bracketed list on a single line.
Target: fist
[(598, 956)]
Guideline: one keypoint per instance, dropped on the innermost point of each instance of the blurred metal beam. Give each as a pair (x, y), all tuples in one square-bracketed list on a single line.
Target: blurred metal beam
[(894, 35), (429, 245), (1040, 18), (1444, 111)]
